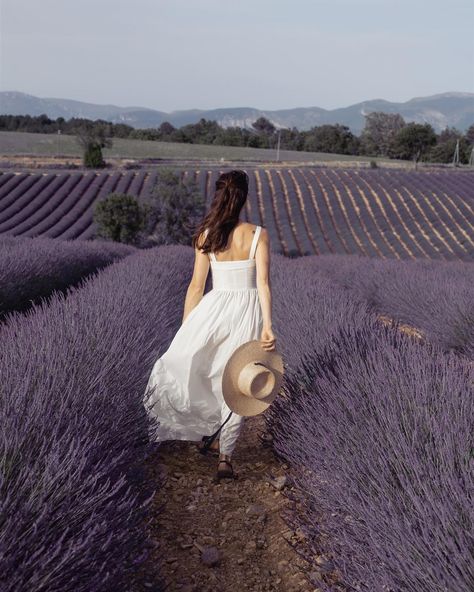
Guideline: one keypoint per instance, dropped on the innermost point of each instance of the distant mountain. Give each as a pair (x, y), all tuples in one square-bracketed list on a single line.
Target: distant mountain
[(441, 110)]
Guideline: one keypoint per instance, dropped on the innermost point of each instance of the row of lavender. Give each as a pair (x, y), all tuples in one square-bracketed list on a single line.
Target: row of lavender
[(74, 432), (377, 427), (31, 269), (436, 297), (378, 431), (377, 213)]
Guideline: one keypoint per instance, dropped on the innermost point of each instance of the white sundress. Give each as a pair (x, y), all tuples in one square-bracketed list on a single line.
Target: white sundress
[(187, 379)]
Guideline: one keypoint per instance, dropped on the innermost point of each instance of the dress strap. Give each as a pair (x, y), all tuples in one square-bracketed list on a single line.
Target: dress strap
[(211, 255), (253, 246)]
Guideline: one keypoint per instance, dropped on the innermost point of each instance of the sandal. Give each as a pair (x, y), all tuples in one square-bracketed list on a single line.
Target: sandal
[(227, 472), (213, 449)]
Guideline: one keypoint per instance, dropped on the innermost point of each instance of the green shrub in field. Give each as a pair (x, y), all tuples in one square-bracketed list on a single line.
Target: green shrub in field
[(93, 156), (119, 217), (173, 209)]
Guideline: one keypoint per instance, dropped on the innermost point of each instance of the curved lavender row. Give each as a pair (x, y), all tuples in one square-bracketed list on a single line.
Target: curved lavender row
[(377, 429), (9, 214), (32, 268), (436, 297), (74, 431), (385, 213)]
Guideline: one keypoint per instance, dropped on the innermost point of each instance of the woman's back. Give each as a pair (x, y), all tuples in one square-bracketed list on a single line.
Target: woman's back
[(237, 273), (241, 244)]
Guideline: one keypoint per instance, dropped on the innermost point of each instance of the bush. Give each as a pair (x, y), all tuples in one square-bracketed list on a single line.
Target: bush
[(174, 208), (119, 217), (93, 156), (74, 431), (377, 430), (33, 268)]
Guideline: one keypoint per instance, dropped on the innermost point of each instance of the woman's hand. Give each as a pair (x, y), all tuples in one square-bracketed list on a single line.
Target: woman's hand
[(267, 339)]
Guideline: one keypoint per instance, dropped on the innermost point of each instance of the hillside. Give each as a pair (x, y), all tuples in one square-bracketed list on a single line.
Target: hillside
[(440, 110)]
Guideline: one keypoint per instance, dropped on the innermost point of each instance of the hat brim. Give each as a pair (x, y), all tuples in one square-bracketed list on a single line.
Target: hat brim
[(245, 353)]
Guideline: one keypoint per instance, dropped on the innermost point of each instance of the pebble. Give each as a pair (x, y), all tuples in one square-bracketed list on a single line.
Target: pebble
[(324, 564), (279, 482), (256, 510), (210, 556), (250, 546)]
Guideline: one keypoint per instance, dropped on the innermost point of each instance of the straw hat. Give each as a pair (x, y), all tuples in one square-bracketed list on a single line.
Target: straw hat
[(252, 378)]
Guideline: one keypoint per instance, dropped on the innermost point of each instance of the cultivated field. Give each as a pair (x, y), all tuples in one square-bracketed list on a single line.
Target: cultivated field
[(307, 210), (18, 143), (358, 477)]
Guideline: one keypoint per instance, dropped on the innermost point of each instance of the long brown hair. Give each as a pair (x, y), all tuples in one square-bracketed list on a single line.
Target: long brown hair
[(229, 198)]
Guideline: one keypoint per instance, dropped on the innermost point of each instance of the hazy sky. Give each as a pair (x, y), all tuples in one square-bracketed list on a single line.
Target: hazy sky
[(269, 54)]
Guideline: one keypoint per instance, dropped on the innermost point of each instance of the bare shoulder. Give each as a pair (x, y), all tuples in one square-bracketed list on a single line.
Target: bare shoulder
[(249, 227), (264, 234)]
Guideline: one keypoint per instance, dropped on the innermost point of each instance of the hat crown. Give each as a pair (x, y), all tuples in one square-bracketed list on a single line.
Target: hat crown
[(256, 380)]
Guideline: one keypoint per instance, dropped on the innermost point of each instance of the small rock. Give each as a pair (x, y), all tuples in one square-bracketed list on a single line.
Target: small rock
[(315, 576), (325, 565), (186, 545), (261, 543), (255, 510), (250, 547), (279, 482), (240, 560), (210, 556)]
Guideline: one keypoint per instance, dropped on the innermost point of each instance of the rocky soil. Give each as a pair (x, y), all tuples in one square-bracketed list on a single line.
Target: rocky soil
[(227, 535), (233, 534)]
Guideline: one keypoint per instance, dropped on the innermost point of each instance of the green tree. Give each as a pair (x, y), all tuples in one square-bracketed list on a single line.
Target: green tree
[(119, 217), (335, 139), (174, 208), (413, 141), (93, 158), (264, 126), (444, 149), (379, 133), (92, 137)]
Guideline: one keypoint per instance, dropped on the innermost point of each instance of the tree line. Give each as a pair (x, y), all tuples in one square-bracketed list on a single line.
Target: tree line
[(384, 135)]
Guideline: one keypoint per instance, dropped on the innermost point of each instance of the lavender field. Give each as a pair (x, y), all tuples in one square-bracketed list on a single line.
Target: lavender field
[(376, 425), (381, 213), (33, 268)]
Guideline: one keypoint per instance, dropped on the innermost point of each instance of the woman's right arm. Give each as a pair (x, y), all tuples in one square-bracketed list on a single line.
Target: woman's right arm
[(262, 257)]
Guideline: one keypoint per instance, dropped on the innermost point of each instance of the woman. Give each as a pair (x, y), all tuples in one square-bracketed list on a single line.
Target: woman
[(185, 382)]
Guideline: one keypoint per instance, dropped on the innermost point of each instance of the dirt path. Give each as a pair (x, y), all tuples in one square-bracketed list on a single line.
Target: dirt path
[(231, 535), (238, 524)]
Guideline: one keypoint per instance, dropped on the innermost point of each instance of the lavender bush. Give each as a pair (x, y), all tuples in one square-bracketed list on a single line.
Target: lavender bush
[(74, 432), (33, 268), (379, 431), (436, 297)]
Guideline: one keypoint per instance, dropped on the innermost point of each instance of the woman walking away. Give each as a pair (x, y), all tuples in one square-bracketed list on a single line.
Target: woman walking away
[(184, 390)]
